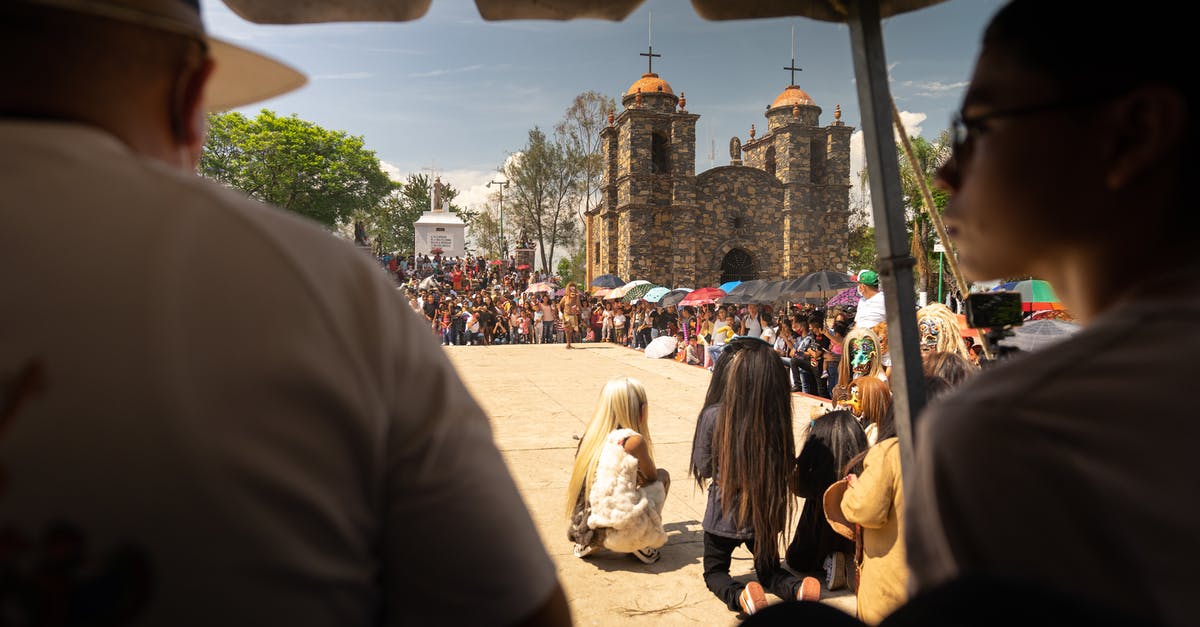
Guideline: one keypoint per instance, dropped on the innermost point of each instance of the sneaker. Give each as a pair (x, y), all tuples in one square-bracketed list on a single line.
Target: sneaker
[(647, 555), (582, 550), (752, 598), (809, 590), (835, 571)]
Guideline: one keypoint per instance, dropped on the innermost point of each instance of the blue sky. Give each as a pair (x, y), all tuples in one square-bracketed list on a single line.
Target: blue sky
[(457, 94)]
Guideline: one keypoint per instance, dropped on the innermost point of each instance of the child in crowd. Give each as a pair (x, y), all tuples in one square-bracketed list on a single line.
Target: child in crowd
[(743, 442), (616, 494), (833, 441)]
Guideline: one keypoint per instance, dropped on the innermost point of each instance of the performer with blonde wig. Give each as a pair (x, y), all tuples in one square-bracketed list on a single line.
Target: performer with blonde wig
[(940, 331), (871, 402), (616, 493), (861, 358)]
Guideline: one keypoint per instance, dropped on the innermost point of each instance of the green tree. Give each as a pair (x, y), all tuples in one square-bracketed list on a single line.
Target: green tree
[(580, 129), (390, 222), (543, 192), (921, 233), (326, 175), (862, 247), (572, 268)]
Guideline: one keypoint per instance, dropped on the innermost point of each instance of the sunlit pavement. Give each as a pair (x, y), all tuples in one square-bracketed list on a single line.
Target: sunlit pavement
[(539, 399)]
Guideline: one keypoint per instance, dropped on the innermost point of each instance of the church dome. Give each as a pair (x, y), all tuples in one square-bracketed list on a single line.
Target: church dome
[(791, 96), (650, 83)]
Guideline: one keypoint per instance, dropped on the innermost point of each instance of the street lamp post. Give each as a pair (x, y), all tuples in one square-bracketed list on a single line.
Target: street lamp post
[(501, 184)]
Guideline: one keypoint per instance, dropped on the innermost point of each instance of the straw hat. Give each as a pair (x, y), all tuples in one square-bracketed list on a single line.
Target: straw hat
[(240, 76), (833, 508)]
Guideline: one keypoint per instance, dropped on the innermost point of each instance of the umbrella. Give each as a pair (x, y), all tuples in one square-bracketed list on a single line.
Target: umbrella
[(744, 292), (562, 291), (619, 292), (607, 280), (1036, 295), (845, 298), (672, 298), (703, 296), (660, 347), (655, 295), (601, 291), (430, 283), (728, 287), (523, 266), (820, 285), (770, 293), (637, 292), (1038, 334), (539, 287), (496, 262)]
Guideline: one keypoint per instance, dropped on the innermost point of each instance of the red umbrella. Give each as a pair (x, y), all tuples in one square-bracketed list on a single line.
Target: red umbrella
[(703, 296), (523, 266), (496, 262)]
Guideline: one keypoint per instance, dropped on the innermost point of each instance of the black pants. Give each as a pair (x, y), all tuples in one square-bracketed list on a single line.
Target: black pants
[(718, 553)]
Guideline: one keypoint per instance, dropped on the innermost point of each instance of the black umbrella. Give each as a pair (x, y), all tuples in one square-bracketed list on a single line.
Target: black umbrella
[(607, 280), (819, 286), (743, 294), (770, 293), (672, 298)]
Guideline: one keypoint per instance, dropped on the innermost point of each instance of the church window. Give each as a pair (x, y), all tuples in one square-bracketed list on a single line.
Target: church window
[(659, 161), (817, 166), (596, 253), (769, 163)]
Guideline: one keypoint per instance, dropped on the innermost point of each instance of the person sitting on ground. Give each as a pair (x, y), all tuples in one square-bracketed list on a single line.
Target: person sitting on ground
[(616, 494), (744, 444), (833, 440)]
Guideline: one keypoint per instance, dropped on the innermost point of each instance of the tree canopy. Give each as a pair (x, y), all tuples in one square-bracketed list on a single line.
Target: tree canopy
[(326, 175), (543, 193)]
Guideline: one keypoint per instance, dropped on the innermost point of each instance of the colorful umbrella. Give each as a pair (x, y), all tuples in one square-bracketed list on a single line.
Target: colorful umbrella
[(619, 292), (1036, 295), (523, 266), (728, 287), (539, 287), (672, 298), (637, 292), (655, 295), (703, 296), (607, 280), (601, 292), (845, 298)]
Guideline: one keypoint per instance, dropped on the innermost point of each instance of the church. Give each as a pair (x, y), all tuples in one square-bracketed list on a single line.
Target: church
[(779, 210)]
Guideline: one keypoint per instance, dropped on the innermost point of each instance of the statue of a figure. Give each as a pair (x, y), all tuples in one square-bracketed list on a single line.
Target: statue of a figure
[(735, 148)]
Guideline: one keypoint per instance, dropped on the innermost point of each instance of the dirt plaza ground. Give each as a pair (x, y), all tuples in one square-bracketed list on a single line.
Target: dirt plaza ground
[(539, 400)]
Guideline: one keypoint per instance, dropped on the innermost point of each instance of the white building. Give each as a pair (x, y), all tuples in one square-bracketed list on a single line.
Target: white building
[(440, 228)]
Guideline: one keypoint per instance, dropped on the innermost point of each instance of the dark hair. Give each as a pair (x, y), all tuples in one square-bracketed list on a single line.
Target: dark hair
[(716, 385), (1116, 52), (753, 447), (831, 449), (951, 367)]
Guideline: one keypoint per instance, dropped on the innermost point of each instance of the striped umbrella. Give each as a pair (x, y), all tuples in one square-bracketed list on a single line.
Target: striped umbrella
[(636, 292)]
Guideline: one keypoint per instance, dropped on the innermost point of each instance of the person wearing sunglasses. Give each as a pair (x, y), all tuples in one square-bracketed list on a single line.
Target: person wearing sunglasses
[(1073, 161)]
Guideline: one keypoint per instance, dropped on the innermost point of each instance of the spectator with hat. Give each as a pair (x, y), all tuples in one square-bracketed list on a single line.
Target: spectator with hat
[(870, 305)]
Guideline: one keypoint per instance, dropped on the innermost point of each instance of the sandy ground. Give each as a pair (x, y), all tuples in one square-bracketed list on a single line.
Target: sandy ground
[(539, 399)]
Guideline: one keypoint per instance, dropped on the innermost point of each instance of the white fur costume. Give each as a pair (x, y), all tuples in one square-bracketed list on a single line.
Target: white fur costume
[(631, 516)]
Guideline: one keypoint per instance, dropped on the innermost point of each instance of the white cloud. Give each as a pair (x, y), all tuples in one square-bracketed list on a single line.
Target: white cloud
[(445, 71), (912, 125), (346, 76), (934, 89)]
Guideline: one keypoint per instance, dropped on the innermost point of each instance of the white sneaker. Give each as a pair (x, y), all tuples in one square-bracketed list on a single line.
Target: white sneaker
[(583, 551), (648, 556), (835, 571)]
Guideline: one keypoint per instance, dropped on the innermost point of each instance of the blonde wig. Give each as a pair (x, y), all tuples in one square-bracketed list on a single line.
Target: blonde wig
[(939, 330), (622, 405), (874, 399)]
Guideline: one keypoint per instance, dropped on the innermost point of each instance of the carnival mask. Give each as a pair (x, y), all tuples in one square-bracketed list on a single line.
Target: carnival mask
[(854, 402), (862, 355), (930, 332)]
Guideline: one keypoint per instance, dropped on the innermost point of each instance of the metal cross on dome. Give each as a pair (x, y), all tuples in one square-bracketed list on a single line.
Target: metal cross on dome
[(650, 46), (793, 67)]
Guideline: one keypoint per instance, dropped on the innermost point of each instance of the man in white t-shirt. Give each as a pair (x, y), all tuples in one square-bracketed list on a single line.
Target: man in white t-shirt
[(234, 418), (870, 305)]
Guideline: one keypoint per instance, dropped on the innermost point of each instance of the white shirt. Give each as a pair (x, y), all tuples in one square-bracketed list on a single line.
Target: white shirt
[(242, 402), (871, 311)]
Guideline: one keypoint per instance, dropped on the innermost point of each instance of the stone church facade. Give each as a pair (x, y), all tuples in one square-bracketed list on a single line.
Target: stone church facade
[(779, 210)]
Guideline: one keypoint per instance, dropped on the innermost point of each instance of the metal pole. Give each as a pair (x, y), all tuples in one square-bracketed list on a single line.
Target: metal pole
[(502, 185), (896, 266), (941, 258)]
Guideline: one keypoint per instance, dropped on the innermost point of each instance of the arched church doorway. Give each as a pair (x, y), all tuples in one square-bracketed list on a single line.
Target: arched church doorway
[(737, 265)]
